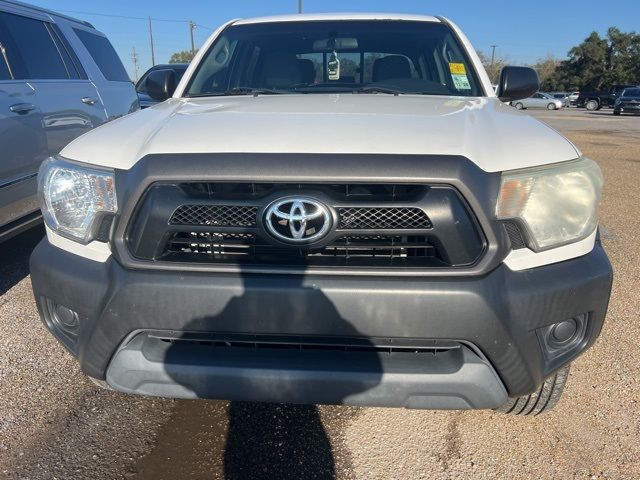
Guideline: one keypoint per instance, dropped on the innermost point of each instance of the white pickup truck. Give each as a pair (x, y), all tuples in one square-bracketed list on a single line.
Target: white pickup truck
[(327, 209)]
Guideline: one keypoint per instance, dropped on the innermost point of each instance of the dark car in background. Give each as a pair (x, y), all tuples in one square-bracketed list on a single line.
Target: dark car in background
[(628, 102), (141, 87), (59, 78), (598, 100)]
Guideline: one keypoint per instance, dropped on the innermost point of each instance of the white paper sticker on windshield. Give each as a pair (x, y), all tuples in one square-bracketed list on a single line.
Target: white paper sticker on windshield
[(333, 66), (461, 82)]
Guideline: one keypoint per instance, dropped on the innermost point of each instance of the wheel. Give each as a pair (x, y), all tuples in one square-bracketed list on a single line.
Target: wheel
[(551, 106), (542, 400), (616, 112), (592, 105), (519, 106)]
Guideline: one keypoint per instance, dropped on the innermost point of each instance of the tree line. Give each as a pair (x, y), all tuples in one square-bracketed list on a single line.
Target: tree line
[(596, 63)]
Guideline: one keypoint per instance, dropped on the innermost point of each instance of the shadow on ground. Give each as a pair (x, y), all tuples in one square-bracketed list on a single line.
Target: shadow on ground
[(14, 257), (239, 440)]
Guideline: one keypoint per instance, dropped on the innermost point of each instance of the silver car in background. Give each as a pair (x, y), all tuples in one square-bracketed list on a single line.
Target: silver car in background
[(538, 100), (59, 78), (562, 96)]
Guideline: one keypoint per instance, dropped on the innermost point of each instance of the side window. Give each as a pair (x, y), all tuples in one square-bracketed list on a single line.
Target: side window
[(142, 84), (71, 60), (4, 69), (104, 55), (30, 49)]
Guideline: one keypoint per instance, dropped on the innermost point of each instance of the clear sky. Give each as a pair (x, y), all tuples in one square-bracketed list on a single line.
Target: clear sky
[(522, 30)]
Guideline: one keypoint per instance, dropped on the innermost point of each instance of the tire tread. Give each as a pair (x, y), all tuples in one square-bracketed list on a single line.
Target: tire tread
[(540, 401)]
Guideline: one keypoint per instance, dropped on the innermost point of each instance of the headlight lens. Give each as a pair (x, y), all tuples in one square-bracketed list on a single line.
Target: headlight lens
[(72, 197), (557, 204)]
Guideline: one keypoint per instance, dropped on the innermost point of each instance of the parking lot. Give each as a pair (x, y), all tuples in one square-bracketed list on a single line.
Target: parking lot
[(54, 423)]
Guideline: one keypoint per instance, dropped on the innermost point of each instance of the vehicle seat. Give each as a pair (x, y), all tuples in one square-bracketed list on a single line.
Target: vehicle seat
[(307, 70), (391, 67), (281, 69)]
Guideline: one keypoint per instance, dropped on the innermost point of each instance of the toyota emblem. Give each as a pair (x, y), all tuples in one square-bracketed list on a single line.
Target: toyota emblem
[(298, 220)]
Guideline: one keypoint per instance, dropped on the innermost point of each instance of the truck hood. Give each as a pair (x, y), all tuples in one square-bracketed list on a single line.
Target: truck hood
[(491, 134)]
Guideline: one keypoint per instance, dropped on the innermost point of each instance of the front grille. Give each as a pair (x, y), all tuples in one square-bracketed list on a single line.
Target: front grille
[(375, 225), (351, 250), (221, 215), (383, 218)]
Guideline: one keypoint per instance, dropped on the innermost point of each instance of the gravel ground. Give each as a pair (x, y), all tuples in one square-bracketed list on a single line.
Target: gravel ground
[(56, 424)]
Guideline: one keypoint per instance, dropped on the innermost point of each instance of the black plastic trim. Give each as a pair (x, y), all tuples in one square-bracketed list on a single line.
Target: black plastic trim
[(20, 225)]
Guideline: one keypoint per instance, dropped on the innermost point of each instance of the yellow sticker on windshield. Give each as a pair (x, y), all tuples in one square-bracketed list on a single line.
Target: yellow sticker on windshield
[(457, 69)]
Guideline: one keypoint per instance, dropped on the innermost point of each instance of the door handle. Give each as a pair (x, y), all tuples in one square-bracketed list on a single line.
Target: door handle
[(22, 107), (88, 100)]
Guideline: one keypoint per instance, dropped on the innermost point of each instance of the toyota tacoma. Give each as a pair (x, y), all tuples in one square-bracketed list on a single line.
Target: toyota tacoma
[(332, 209)]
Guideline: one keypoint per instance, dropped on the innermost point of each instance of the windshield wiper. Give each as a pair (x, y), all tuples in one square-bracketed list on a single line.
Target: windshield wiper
[(377, 89), (255, 91), (241, 91)]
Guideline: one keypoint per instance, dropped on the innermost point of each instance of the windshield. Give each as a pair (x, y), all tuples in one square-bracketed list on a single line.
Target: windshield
[(364, 56), (631, 92)]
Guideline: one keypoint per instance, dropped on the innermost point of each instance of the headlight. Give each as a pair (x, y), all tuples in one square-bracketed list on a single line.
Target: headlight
[(73, 197), (556, 204)]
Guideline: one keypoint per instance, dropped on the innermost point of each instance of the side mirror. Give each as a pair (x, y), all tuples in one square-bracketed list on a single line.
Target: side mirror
[(161, 84), (517, 83)]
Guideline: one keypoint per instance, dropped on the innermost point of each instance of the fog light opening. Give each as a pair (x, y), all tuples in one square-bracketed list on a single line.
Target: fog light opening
[(62, 319), (560, 339)]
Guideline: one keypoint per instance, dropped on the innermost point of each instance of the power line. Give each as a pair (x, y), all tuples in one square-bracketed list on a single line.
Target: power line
[(129, 17), (79, 12)]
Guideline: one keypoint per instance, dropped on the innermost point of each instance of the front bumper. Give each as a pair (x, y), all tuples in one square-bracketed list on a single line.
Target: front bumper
[(496, 320), (628, 107)]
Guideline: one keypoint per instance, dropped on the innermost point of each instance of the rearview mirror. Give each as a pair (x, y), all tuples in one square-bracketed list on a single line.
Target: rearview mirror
[(329, 44), (161, 84), (517, 83)]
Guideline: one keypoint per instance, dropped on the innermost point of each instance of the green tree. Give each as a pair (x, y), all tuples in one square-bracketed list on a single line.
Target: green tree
[(599, 62), (185, 56)]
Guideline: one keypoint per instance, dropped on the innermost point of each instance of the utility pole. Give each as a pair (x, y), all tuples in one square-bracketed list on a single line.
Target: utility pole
[(192, 27), (134, 59), (153, 53), (299, 6), (493, 53)]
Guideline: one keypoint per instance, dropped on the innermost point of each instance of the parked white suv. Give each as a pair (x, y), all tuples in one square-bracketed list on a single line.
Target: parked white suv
[(327, 209)]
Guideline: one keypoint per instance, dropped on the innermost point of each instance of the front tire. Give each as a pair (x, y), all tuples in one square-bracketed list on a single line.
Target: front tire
[(540, 401), (592, 105), (519, 106), (616, 112), (551, 106)]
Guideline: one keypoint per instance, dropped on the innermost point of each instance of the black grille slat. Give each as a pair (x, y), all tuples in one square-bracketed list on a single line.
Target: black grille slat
[(231, 246), (286, 342), (218, 215), (383, 218)]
